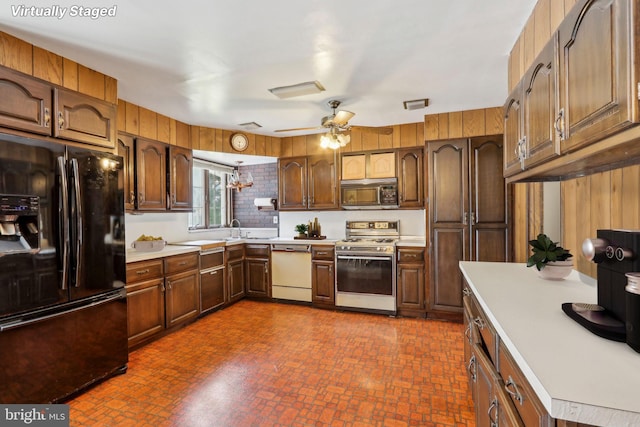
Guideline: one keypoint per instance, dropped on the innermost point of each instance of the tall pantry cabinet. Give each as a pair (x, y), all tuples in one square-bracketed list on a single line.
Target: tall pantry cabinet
[(467, 214)]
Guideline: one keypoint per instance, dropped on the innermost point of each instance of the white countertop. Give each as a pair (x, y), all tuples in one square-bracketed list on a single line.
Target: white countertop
[(577, 375), (169, 250)]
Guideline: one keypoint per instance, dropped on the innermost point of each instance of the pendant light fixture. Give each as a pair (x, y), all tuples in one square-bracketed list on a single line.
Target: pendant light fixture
[(234, 179), (334, 139)]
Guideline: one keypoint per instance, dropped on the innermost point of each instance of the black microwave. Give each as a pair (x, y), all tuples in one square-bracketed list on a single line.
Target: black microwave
[(369, 193)]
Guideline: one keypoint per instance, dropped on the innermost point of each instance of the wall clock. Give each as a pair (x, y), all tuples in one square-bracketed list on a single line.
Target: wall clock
[(239, 141)]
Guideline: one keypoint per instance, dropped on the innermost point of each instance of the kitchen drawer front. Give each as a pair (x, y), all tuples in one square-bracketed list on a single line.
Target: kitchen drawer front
[(256, 251), (178, 263), (235, 252), (411, 255), (323, 252), (211, 260), (483, 326), (524, 398), (144, 270)]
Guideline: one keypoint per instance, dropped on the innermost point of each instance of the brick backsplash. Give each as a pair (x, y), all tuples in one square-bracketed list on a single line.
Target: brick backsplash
[(265, 184)]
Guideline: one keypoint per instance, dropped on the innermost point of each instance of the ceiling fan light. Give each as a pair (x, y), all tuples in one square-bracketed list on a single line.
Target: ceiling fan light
[(300, 89), (416, 104)]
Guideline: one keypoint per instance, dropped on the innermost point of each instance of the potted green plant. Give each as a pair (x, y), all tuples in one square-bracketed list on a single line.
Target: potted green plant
[(551, 260), (302, 230)]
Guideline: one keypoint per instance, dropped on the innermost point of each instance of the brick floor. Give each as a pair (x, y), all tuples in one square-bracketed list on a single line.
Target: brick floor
[(270, 364)]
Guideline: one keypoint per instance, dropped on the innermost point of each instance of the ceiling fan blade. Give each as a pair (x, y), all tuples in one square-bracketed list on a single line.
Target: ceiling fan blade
[(378, 130), (297, 129), (342, 117)]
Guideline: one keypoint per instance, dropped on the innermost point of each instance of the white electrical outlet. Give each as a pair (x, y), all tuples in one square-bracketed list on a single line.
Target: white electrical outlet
[(275, 219)]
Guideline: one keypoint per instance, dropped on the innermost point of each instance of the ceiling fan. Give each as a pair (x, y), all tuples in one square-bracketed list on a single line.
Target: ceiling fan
[(339, 122)]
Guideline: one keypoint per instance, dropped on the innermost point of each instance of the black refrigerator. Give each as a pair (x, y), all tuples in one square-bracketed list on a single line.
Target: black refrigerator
[(63, 313)]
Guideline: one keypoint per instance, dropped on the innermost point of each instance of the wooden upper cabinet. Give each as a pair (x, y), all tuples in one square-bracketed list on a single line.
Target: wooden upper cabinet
[(514, 149), (410, 177), (598, 76), (292, 183), (125, 148), (382, 165), (25, 103), (354, 166), (85, 119), (322, 185), (151, 176), (540, 107), (180, 178)]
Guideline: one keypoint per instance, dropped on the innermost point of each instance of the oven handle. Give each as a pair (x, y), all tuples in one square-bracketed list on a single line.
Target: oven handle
[(372, 258)]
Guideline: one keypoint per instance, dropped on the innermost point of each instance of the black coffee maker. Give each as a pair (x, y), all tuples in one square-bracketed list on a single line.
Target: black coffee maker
[(617, 252)]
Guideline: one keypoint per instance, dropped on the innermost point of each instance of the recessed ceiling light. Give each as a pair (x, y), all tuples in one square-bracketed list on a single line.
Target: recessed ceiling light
[(250, 125), (416, 104), (300, 89)]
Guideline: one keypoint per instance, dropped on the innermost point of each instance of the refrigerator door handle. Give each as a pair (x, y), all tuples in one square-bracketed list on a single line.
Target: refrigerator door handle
[(64, 219), (77, 220), (22, 323)]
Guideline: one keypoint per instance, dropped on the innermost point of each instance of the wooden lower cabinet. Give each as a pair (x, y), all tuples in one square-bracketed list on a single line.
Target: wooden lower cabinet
[(501, 394), (323, 279), (161, 294), (257, 261), (410, 282), (235, 272), (212, 289)]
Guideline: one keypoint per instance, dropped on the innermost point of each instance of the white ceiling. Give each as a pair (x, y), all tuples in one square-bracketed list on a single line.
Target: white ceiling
[(211, 62)]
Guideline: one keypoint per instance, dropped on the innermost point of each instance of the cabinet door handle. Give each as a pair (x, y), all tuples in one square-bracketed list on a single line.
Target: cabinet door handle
[(132, 197), (471, 367), (145, 271), (493, 419), (183, 263), (464, 218), (515, 392), (47, 117), (169, 285), (60, 120), (213, 272), (467, 332), (466, 291), (559, 125), (478, 322), (140, 197)]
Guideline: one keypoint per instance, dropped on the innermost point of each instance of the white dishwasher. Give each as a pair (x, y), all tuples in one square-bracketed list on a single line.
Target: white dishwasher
[(291, 272)]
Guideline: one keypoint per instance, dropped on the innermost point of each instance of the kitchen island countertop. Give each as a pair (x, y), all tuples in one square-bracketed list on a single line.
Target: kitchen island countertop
[(577, 375)]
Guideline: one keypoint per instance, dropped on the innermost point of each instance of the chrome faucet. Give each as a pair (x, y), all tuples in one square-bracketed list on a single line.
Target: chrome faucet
[(231, 225)]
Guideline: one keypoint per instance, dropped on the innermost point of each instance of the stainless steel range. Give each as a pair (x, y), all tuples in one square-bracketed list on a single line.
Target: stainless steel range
[(366, 269)]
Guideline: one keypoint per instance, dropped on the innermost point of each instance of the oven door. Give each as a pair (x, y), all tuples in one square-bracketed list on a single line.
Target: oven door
[(365, 274)]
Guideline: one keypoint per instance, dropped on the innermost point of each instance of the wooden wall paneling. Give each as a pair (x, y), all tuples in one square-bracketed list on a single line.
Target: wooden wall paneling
[(356, 141), (556, 14), (173, 138), (473, 123), (110, 89), (194, 137), (69, 74), (163, 130), (535, 210), (569, 210), (370, 141), (520, 220), (298, 146), (148, 122), (207, 139), (542, 23), (122, 116), (616, 209), (251, 149), (182, 132), (90, 82), (529, 42), (419, 138), (431, 127), (287, 147), (443, 126), (494, 121), (260, 144), (132, 119), (16, 53), (600, 203), (631, 197), (583, 221), (455, 124), (47, 66), (385, 141), (223, 141), (408, 135)]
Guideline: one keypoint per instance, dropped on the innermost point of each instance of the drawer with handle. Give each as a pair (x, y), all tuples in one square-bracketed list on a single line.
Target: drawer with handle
[(144, 270), (178, 263)]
